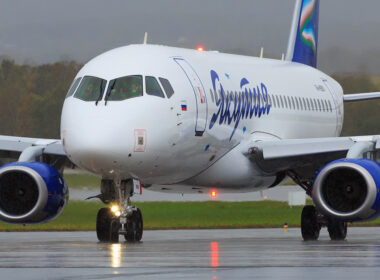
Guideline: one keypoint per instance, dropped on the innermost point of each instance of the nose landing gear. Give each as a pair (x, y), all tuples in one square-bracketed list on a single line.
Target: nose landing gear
[(125, 220)]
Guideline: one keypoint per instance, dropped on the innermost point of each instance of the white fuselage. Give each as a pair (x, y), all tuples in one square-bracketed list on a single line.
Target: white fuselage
[(196, 138)]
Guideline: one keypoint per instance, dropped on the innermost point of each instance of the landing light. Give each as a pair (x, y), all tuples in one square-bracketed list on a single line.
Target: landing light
[(200, 48), (115, 209)]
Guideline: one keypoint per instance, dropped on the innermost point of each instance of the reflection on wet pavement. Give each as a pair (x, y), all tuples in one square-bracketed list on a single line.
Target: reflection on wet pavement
[(190, 254), (115, 255)]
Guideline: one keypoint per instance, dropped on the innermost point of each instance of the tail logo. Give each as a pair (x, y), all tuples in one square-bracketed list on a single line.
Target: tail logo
[(307, 33)]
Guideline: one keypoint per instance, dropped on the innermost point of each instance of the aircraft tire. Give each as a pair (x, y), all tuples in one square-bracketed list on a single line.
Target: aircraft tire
[(310, 227), (337, 230), (134, 227), (107, 226)]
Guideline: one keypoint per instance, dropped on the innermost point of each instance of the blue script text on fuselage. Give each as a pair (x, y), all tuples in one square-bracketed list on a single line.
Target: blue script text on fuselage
[(248, 103)]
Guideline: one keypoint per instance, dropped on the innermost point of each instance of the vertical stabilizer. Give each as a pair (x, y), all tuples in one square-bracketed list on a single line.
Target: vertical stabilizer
[(303, 39)]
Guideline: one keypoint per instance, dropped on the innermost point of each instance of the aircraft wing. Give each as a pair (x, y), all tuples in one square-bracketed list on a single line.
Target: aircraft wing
[(14, 147), (361, 96), (307, 156)]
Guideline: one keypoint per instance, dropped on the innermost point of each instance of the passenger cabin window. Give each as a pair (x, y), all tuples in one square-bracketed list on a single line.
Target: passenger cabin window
[(330, 107), (327, 105), (153, 87), (270, 100), (282, 102), (167, 87), (91, 89), (293, 103), (73, 87), (124, 88)]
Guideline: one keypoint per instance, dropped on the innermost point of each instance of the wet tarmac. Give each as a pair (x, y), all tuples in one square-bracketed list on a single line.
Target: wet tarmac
[(191, 254)]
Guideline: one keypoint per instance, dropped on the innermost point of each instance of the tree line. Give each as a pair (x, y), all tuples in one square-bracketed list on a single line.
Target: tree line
[(31, 99)]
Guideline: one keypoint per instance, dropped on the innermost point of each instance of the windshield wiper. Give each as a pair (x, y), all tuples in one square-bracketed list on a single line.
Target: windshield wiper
[(100, 93), (109, 92)]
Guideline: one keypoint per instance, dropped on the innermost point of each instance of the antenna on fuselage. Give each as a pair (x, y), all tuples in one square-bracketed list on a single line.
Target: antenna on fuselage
[(261, 52), (145, 38), (283, 56)]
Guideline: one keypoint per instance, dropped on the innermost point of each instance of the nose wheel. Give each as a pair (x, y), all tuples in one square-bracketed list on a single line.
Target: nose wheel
[(121, 219), (134, 230), (109, 227)]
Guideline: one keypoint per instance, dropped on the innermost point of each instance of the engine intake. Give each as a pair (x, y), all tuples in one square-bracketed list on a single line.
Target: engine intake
[(31, 193), (348, 190)]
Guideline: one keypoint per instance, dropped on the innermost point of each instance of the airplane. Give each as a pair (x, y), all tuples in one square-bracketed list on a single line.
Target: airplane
[(179, 120)]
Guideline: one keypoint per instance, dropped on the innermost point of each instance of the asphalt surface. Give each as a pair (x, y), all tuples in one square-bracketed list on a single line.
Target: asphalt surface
[(191, 254)]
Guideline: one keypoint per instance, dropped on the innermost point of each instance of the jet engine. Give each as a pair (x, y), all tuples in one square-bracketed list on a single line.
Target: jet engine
[(348, 190), (31, 193)]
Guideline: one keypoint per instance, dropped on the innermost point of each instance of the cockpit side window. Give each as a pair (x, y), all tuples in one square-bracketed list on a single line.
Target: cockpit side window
[(153, 87), (167, 87), (73, 87), (124, 88), (90, 89)]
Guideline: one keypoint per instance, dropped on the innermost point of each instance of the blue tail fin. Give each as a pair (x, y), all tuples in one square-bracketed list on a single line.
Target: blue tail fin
[(303, 40)]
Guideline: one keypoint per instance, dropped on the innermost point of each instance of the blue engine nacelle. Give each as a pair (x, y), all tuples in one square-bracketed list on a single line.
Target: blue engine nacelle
[(31, 193), (348, 190)]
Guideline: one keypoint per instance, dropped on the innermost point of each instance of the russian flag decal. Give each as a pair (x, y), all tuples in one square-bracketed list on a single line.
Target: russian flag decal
[(184, 106)]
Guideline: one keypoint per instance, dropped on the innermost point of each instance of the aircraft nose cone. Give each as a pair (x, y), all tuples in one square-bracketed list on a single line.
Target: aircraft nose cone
[(99, 147)]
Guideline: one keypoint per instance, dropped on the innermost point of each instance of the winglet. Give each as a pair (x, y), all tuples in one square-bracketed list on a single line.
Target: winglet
[(303, 39), (145, 38), (261, 52)]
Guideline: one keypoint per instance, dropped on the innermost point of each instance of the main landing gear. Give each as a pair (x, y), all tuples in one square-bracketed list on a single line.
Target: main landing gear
[(312, 222), (121, 218)]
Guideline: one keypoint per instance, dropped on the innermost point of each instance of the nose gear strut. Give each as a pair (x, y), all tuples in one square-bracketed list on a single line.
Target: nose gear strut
[(129, 220)]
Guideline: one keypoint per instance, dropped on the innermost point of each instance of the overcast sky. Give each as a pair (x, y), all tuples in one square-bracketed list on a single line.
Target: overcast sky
[(39, 31)]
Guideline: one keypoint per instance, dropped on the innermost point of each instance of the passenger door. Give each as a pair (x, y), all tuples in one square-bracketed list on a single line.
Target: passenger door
[(336, 99), (199, 94)]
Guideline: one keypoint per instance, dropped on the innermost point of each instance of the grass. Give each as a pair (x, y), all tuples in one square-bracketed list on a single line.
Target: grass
[(81, 216), (82, 180)]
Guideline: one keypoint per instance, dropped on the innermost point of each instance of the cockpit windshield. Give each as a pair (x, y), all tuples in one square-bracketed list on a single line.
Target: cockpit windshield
[(73, 87), (91, 89), (124, 88), (153, 87)]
